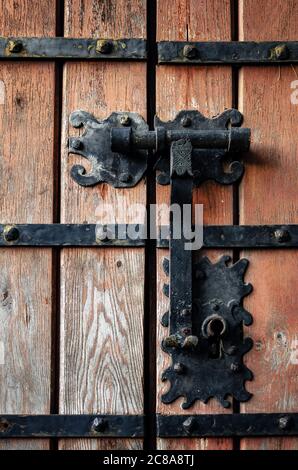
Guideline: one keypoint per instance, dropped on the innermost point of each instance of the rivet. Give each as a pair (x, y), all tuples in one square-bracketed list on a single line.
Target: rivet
[(124, 177), (190, 52), (235, 367), (186, 121), (171, 341), (76, 144), (190, 342), (103, 46), (188, 425), (125, 120), (279, 52), (282, 235), (179, 368), (99, 425), (284, 422), (11, 234), (186, 331), (15, 46)]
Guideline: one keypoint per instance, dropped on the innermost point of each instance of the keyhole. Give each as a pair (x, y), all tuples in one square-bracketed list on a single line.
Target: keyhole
[(213, 328)]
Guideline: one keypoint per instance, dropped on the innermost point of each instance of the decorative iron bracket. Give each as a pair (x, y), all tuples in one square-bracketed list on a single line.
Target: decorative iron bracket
[(206, 314)]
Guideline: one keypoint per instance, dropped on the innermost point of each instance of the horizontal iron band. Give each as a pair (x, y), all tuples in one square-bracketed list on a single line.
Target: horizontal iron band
[(70, 235), (228, 425), (71, 426), (130, 235), (245, 236), (96, 426), (232, 52), (69, 48)]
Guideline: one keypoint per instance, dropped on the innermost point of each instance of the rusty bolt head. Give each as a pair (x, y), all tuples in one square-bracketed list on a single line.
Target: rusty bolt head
[(179, 368), (171, 341), (125, 120), (188, 425), (235, 367), (103, 46), (280, 52), (190, 52), (124, 177), (76, 144), (282, 235), (11, 234), (190, 342), (99, 425), (284, 422), (15, 46), (186, 331), (186, 121)]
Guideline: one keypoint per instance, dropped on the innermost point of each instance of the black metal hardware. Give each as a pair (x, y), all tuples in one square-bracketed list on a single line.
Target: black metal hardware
[(121, 170), (215, 236), (228, 425), (126, 235), (215, 315), (39, 426), (233, 52), (59, 48), (243, 236)]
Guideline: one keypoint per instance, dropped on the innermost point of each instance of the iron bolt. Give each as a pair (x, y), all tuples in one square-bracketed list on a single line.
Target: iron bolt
[(11, 234), (171, 341), (186, 331), (179, 368), (190, 342), (186, 121), (124, 177), (99, 425), (284, 422), (235, 367), (188, 425), (190, 52), (125, 120), (76, 144), (103, 46), (15, 46), (282, 235), (280, 52)]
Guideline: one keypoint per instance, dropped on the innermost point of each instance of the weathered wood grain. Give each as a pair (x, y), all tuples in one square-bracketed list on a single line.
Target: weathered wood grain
[(269, 195), (209, 90), (26, 195), (102, 290)]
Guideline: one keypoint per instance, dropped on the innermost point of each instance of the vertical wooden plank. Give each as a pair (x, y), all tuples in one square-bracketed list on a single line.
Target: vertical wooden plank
[(26, 194), (269, 195), (209, 90), (102, 290)]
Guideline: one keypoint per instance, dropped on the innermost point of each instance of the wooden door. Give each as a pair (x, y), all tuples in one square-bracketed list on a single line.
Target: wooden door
[(80, 326)]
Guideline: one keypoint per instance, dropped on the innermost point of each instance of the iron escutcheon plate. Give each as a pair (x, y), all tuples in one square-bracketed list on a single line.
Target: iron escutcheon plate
[(213, 368), (117, 169)]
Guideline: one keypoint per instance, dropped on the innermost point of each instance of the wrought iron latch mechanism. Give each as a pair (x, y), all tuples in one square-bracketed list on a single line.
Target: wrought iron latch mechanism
[(205, 320)]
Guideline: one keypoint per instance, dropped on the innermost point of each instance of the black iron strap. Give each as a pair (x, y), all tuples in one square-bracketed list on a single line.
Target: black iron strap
[(214, 236), (233, 52), (168, 426), (70, 48)]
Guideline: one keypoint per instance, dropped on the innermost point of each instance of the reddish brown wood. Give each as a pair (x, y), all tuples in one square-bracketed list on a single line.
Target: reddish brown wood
[(269, 195), (102, 290), (27, 96), (209, 90)]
